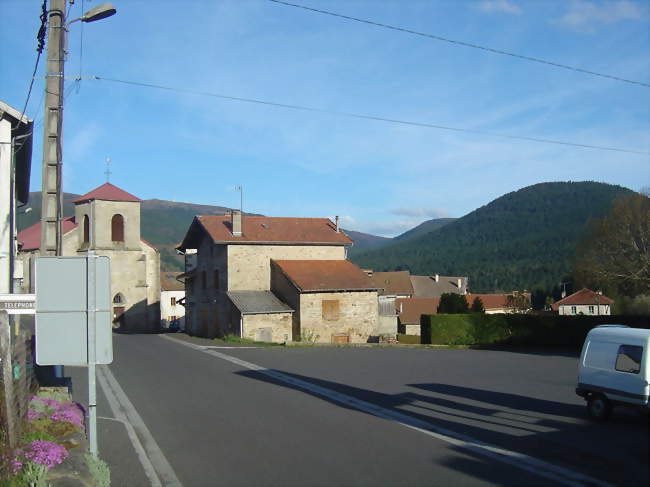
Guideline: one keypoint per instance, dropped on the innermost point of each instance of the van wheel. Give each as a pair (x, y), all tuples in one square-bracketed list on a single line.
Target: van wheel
[(599, 407)]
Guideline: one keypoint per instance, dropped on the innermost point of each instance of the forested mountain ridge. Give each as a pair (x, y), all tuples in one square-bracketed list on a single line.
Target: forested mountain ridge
[(523, 240)]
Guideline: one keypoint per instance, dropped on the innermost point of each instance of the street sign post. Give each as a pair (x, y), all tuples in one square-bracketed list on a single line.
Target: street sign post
[(73, 319)]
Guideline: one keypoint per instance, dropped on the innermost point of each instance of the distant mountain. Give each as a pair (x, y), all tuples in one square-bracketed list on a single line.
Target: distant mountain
[(524, 239), (366, 241), (423, 228)]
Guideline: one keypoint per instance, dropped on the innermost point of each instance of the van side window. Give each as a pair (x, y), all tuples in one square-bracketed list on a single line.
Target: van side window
[(629, 359)]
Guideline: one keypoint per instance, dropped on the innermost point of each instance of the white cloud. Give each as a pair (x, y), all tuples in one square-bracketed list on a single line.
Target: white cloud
[(503, 6), (586, 15)]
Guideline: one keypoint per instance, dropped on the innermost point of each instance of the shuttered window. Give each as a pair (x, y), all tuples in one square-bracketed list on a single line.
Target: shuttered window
[(331, 309)]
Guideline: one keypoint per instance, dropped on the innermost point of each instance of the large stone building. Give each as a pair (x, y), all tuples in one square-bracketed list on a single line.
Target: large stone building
[(275, 279), (107, 221)]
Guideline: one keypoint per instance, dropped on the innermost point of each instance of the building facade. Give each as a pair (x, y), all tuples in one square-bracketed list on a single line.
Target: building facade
[(172, 295)]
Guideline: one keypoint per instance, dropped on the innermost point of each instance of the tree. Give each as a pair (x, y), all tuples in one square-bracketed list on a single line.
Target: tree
[(518, 302), (615, 254), (477, 305), (452, 303)]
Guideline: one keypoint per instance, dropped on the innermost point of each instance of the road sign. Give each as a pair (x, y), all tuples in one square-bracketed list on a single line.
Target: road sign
[(73, 311), (18, 304)]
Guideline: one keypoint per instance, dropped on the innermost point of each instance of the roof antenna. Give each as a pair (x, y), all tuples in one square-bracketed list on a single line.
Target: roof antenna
[(108, 169)]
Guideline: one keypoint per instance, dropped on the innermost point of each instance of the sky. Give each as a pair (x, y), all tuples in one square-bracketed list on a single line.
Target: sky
[(379, 177)]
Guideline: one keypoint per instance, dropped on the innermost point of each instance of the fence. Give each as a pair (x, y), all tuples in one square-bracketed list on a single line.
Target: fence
[(17, 381)]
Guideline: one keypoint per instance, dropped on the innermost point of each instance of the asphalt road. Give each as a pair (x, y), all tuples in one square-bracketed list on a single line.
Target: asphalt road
[(351, 416)]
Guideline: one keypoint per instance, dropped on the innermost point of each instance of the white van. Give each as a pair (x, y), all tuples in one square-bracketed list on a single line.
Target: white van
[(614, 369)]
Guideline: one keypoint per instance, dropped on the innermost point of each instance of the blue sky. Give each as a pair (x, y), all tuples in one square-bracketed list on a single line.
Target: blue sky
[(381, 178)]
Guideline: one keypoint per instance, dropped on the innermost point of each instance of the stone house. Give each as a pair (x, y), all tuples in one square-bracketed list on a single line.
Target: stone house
[(107, 221), (172, 293), (229, 288), (584, 302)]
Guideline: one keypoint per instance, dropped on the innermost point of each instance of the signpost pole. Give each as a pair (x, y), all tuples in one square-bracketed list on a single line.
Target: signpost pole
[(91, 261)]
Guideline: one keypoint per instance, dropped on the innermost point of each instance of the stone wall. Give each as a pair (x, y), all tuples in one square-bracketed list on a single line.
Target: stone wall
[(249, 266), (100, 213), (277, 325), (356, 316)]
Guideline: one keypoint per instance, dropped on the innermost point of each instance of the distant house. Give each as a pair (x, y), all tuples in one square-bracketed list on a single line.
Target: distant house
[(514, 302), (391, 286), (107, 221), (243, 280), (584, 302), (172, 293), (410, 311), (437, 285)]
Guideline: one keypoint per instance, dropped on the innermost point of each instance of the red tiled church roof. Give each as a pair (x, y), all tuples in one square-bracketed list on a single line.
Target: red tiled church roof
[(30, 237), (108, 192), (325, 275)]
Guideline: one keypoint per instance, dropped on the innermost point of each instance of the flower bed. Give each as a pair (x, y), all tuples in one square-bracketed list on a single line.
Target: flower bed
[(45, 440)]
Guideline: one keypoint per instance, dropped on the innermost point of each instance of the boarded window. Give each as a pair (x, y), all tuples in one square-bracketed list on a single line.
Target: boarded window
[(86, 229), (216, 278), (117, 228), (331, 309)]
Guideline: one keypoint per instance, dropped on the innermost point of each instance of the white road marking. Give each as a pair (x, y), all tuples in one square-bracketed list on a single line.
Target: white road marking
[(526, 462), (155, 465)]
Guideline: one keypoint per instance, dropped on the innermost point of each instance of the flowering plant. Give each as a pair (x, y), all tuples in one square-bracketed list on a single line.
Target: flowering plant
[(45, 453)]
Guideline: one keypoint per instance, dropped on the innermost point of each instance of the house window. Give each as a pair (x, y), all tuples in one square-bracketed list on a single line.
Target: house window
[(86, 229), (331, 309), (172, 317), (173, 301), (216, 278), (574, 310), (117, 228), (629, 359), (591, 310)]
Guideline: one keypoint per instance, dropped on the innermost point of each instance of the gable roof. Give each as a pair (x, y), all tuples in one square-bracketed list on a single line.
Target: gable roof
[(30, 237), (397, 282), (107, 192), (264, 229), (584, 296), (428, 287), (168, 282), (324, 275), (409, 310)]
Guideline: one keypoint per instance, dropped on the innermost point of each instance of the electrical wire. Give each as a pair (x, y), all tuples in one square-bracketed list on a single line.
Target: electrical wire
[(369, 117), (461, 43)]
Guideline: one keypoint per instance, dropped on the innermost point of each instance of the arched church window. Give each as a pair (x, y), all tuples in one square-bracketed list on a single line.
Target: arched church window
[(118, 299), (117, 228), (86, 229)]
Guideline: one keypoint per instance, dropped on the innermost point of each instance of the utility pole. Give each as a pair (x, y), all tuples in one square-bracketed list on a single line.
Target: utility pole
[(52, 202)]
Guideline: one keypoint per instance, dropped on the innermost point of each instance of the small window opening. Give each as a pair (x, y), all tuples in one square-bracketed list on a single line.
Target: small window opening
[(117, 228)]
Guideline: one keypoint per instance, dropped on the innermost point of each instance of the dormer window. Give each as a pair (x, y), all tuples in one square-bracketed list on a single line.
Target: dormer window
[(117, 228)]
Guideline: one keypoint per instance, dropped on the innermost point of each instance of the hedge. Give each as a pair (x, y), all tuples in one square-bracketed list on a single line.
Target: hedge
[(410, 339), (516, 329)]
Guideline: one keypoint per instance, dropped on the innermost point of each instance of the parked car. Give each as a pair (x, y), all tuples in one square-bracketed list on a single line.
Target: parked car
[(614, 369)]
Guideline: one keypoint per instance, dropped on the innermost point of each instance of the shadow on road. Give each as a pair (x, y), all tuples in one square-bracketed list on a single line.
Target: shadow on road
[(556, 432)]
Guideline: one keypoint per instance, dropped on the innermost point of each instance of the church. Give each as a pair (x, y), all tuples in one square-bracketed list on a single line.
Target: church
[(107, 221)]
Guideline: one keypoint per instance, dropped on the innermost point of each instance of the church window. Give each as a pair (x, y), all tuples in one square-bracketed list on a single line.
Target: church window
[(118, 299), (117, 228), (86, 229)]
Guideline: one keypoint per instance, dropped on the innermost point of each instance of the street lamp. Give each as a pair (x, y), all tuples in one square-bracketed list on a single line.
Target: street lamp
[(52, 204)]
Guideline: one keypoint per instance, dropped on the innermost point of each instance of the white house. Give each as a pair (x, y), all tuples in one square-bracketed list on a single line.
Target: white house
[(584, 302), (172, 292)]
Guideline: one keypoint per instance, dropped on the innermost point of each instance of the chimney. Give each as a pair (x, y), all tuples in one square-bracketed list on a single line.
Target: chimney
[(437, 277), (235, 222), (336, 220)]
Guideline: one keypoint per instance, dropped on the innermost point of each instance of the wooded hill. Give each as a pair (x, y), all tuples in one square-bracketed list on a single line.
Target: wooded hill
[(523, 240)]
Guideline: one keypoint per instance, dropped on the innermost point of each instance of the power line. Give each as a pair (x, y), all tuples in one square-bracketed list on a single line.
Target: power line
[(369, 117), (461, 43)]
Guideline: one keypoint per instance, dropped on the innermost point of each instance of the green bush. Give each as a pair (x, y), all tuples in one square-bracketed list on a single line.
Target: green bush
[(516, 329), (409, 339)]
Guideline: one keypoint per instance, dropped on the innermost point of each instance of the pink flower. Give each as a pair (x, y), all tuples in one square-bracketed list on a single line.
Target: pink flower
[(15, 466), (69, 413), (32, 415), (46, 453)]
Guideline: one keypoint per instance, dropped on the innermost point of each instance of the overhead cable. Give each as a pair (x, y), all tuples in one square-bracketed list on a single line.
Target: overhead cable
[(368, 117), (462, 43)]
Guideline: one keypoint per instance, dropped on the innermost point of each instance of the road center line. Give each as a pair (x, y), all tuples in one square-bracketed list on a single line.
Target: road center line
[(153, 461), (520, 460)]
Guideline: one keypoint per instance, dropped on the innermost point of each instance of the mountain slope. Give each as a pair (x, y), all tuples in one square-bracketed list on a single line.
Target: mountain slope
[(524, 239), (424, 228)]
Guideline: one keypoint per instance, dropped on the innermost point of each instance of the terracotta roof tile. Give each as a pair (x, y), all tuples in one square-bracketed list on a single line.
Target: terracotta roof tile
[(584, 296), (30, 237), (324, 275), (409, 310), (109, 192), (273, 229), (493, 301), (397, 282)]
